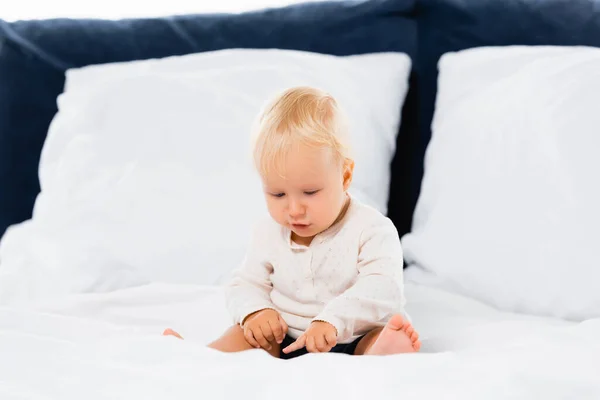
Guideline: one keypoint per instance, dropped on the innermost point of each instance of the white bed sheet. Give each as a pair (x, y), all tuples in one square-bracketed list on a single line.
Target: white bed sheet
[(109, 346)]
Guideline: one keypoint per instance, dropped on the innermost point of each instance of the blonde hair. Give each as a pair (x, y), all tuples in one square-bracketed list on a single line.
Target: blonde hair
[(299, 116)]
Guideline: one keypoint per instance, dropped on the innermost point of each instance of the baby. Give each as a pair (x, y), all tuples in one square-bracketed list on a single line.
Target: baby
[(324, 272)]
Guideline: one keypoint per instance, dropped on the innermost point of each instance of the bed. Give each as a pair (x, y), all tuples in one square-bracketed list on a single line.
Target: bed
[(477, 137), (110, 346)]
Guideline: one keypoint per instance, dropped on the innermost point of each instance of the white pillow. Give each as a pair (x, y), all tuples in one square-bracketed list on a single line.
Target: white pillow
[(509, 211), (147, 175)]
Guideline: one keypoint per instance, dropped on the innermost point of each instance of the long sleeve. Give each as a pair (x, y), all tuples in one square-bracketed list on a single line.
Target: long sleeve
[(378, 292), (250, 288)]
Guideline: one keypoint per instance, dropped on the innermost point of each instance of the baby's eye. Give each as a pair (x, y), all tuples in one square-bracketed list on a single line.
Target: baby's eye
[(278, 195), (310, 193)]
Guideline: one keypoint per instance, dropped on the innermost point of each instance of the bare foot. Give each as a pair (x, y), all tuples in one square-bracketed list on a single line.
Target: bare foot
[(398, 336), (171, 332)]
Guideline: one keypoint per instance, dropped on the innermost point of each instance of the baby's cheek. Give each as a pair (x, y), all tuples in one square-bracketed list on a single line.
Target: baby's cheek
[(330, 213), (276, 214)]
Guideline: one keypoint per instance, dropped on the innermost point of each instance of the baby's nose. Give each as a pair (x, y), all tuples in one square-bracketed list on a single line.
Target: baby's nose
[(296, 209)]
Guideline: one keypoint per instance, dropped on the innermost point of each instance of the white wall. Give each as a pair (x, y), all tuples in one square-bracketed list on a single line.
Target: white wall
[(12, 10)]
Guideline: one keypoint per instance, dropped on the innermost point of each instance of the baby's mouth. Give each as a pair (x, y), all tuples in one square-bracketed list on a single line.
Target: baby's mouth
[(299, 226)]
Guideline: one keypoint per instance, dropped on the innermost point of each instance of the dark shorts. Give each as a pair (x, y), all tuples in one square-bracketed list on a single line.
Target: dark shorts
[(345, 348)]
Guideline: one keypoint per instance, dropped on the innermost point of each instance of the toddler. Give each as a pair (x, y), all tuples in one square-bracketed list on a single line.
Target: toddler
[(324, 272)]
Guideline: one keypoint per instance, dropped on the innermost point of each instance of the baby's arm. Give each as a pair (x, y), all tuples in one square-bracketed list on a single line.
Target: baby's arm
[(377, 293), (249, 290)]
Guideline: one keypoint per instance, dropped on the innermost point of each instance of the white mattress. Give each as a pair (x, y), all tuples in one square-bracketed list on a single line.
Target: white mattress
[(109, 346)]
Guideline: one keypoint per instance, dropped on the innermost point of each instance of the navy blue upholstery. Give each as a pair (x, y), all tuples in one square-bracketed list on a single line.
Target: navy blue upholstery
[(35, 54), (452, 25)]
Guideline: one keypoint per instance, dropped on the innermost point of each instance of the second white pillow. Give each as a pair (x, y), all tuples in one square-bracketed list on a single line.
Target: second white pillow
[(508, 211)]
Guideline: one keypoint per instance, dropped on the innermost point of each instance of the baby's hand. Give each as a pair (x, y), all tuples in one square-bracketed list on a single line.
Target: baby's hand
[(263, 328), (320, 337)]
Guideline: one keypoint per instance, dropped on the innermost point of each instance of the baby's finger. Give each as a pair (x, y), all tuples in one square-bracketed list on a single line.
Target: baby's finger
[(321, 344), (277, 331), (331, 339), (260, 338), (310, 345), (250, 338), (267, 332), (297, 345), (283, 325)]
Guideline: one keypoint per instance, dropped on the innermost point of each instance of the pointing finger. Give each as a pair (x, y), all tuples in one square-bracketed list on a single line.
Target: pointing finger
[(297, 345)]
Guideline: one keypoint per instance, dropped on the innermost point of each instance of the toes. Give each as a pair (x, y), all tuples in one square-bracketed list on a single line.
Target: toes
[(171, 332), (414, 336), (396, 322), (417, 345), (409, 331)]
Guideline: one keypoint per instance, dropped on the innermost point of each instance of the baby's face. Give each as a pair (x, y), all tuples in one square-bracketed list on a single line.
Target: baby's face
[(310, 196)]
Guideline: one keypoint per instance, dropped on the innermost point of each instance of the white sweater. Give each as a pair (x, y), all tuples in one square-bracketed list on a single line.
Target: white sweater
[(350, 275)]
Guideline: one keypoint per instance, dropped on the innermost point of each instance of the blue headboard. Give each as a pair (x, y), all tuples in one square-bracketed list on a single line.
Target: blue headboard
[(35, 54)]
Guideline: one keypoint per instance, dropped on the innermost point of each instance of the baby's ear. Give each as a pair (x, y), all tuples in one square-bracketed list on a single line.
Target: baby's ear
[(348, 172)]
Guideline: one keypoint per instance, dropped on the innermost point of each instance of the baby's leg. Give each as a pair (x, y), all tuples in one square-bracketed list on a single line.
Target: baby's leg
[(233, 340), (398, 336)]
